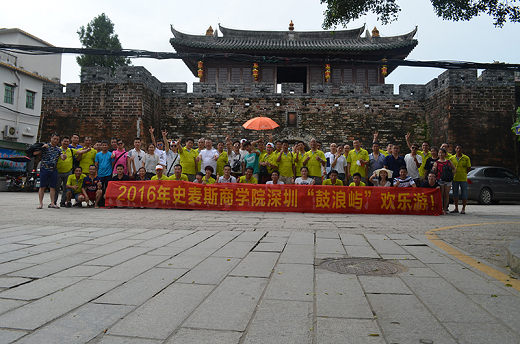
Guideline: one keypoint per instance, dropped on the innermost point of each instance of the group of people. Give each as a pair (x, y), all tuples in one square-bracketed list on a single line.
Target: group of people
[(84, 171)]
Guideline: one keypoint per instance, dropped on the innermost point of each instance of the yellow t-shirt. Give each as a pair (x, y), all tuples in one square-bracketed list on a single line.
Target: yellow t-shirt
[(314, 165), (183, 177), (298, 165), (221, 162), (188, 160), (269, 158), (209, 181), (353, 157), (329, 182), (385, 153), (424, 158), (72, 180), (87, 159), (251, 181), (354, 184), (65, 166), (163, 177), (462, 164), (285, 165)]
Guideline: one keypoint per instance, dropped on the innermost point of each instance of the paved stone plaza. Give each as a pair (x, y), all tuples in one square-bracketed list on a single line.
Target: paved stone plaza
[(151, 276)]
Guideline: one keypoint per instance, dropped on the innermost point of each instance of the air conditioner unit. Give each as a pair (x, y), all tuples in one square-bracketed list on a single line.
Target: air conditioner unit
[(11, 132)]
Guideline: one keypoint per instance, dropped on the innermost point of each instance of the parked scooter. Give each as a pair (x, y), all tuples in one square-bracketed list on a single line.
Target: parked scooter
[(15, 183), (33, 181)]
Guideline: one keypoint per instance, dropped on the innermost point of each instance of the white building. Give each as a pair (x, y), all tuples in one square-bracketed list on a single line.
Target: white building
[(21, 80)]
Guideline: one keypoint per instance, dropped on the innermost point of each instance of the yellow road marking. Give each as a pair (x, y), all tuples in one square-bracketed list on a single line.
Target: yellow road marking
[(502, 277)]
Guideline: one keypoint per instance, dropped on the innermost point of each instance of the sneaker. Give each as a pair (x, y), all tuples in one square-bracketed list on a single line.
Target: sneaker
[(68, 205), (77, 204)]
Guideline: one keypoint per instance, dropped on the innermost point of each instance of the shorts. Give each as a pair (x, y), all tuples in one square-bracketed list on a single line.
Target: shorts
[(440, 182), (91, 195), (48, 177), (75, 195), (463, 190)]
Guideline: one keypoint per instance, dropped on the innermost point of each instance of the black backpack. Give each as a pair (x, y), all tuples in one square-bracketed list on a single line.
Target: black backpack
[(447, 173)]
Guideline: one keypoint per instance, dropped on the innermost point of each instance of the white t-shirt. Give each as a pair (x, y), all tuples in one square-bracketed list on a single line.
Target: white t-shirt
[(231, 179), (403, 183), (208, 159), (300, 181), (413, 170), (340, 164), (172, 159), (162, 156), (271, 182), (138, 160)]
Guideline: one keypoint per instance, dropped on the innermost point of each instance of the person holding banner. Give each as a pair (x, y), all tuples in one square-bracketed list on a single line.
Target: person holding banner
[(248, 178), (178, 175), (304, 179), (141, 175), (274, 179), (357, 180), (159, 173), (333, 179), (381, 177), (227, 177), (208, 179)]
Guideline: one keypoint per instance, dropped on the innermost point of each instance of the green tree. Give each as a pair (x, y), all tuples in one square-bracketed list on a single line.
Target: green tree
[(341, 12), (99, 34)]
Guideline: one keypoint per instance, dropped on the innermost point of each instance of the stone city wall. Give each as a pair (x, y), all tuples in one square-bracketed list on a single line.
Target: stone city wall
[(455, 107)]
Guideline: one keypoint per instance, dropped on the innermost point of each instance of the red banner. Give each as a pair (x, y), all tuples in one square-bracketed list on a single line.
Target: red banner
[(284, 198)]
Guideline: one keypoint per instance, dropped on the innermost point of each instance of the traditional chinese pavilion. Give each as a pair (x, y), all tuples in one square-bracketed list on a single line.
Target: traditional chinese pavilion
[(332, 56)]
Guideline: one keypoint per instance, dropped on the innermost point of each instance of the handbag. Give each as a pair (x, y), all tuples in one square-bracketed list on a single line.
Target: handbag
[(447, 173), (236, 166)]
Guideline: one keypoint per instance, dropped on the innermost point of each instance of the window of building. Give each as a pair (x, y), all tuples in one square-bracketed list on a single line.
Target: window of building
[(29, 99), (292, 120), (9, 94)]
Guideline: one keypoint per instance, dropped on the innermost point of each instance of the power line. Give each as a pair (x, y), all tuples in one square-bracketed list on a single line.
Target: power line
[(18, 112), (132, 53)]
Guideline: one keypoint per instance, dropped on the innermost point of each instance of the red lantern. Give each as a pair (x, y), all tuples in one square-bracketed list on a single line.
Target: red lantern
[(384, 70), (200, 72), (327, 72), (255, 71)]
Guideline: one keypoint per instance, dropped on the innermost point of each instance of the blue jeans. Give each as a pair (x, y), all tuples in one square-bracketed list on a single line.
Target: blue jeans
[(463, 190)]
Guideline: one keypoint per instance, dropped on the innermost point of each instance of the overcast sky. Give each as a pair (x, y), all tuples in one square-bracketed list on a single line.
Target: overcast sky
[(146, 25)]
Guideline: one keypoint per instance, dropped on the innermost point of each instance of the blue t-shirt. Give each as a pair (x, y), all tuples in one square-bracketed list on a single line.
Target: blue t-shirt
[(105, 164), (252, 160)]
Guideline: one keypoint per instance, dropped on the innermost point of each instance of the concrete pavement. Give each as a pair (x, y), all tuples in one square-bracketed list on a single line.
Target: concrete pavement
[(165, 276)]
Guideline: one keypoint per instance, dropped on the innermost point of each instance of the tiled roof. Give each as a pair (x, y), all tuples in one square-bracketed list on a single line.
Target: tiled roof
[(242, 40)]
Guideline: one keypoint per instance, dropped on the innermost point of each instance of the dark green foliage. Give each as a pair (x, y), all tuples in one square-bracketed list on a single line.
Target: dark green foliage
[(99, 34), (341, 12)]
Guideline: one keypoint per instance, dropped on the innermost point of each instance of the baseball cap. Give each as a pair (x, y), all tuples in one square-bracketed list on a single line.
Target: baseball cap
[(158, 167)]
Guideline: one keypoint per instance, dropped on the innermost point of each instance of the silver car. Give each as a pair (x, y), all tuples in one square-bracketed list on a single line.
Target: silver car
[(491, 184)]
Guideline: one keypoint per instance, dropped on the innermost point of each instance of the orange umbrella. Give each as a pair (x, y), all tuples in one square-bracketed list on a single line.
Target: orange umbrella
[(260, 123)]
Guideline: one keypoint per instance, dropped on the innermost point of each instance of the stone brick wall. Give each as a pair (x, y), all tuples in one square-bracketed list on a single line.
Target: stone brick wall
[(455, 107)]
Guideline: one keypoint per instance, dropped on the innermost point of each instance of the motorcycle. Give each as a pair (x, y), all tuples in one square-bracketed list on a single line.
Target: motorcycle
[(15, 183), (33, 181)]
